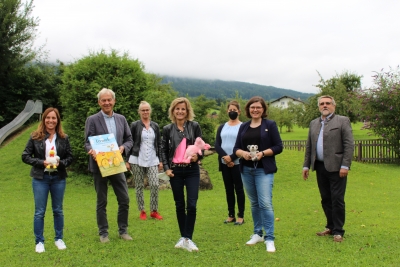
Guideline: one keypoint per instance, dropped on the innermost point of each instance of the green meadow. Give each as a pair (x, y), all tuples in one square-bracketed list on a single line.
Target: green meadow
[(371, 239), (299, 133)]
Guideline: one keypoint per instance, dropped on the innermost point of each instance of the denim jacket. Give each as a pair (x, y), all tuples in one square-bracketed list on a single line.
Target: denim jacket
[(172, 137), (34, 154)]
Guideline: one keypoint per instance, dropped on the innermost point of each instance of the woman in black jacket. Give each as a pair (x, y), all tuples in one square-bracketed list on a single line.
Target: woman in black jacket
[(49, 152), (176, 136), (145, 159)]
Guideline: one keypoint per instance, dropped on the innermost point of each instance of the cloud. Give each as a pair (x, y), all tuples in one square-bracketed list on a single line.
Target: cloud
[(278, 43)]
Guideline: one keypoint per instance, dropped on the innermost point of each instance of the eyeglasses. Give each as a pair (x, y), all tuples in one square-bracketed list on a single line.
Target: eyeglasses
[(325, 103), (253, 108)]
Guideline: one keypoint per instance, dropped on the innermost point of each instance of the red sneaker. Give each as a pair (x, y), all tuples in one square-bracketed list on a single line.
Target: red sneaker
[(156, 215), (143, 215)]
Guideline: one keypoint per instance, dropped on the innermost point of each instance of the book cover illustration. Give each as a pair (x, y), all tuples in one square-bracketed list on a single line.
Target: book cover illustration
[(108, 157)]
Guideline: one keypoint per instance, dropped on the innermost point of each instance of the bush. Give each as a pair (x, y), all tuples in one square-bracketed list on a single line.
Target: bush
[(82, 81)]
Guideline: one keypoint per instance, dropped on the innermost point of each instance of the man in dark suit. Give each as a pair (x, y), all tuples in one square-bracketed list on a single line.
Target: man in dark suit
[(106, 122), (329, 152)]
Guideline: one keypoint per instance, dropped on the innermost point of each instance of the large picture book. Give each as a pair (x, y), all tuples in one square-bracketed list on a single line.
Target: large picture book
[(108, 157)]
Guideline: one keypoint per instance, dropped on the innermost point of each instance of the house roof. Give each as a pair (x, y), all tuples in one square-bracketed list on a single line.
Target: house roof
[(285, 96)]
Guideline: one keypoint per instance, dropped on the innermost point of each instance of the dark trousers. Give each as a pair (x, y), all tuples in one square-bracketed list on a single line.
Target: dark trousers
[(118, 183), (189, 177), (332, 189), (233, 184)]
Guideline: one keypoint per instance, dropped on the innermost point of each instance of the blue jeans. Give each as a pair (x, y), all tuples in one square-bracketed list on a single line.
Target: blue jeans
[(189, 177), (41, 189), (258, 186)]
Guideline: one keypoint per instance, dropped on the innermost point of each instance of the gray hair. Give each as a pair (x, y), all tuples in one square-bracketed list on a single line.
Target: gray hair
[(106, 91), (326, 96)]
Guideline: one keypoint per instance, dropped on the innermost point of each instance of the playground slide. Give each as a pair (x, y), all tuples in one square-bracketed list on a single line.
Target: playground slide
[(31, 107)]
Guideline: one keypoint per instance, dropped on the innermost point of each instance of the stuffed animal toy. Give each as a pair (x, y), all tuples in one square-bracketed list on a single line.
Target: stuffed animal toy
[(52, 159), (199, 144), (253, 151)]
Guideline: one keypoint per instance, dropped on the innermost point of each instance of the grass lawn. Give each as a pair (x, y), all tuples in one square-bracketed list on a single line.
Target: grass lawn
[(301, 133), (371, 239)]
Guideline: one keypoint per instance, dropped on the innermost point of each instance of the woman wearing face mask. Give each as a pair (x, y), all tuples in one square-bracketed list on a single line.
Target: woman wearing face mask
[(229, 164)]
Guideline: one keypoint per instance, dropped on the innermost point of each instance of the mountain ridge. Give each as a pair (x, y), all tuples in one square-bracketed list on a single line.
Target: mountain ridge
[(221, 90)]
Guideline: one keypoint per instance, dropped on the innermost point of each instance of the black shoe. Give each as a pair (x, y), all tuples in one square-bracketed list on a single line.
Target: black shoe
[(230, 221), (239, 223)]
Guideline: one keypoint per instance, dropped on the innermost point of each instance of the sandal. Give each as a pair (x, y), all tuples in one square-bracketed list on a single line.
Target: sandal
[(230, 220), (239, 223)]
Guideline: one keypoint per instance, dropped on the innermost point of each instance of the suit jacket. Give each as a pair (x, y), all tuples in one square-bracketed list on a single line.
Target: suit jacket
[(338, 146), (96, 125)]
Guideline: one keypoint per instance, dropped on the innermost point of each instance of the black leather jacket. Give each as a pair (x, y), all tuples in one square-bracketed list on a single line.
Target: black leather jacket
[(172, 137), (136, 130), (34, 154)]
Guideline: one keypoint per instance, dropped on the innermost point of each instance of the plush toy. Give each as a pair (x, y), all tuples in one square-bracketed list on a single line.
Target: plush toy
[(52, 159), (253, 151), (199, 144)]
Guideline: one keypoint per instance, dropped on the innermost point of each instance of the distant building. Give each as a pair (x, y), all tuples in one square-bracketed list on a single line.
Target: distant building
[(283, 102)]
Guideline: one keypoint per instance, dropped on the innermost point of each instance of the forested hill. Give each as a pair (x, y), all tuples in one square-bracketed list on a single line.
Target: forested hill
[(222, 90)]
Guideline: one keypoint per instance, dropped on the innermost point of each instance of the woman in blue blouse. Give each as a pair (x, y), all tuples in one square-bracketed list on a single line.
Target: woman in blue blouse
[(229, 164)]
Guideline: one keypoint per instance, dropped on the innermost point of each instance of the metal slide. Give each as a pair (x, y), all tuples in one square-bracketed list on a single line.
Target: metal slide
[(31, 107)]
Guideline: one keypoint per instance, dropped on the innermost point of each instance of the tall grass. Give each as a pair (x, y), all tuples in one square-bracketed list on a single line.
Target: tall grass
[(371, 239)]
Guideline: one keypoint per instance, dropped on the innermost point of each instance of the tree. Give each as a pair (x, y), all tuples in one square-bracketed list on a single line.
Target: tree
[(83, 79), (160, 96), (297, 110), (344, 89), (282, 116), (201, 106), (381, 106), (34, 81), (17, 34)]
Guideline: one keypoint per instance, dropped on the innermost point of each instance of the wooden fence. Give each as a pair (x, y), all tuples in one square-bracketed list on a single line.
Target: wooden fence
[(374, 150)]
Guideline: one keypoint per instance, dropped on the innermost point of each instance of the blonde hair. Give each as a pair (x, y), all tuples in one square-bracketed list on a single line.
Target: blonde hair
[(40, 132), (142, 103), (190, 114)]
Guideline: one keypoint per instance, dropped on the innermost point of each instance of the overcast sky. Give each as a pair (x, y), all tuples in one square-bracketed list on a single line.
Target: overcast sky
[(278, 43)]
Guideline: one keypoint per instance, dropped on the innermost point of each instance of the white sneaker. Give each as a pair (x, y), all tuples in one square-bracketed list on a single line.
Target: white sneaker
[(40, 247), (189, 245), (180, 243), (270, 246), (60, 244), (254, 239)]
